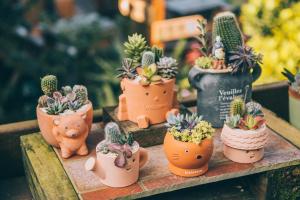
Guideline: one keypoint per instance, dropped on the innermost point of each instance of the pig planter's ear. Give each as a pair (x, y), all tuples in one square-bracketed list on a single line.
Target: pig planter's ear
[(83, 116), (56, 122)]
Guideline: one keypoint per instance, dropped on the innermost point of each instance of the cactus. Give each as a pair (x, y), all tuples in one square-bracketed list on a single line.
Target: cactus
[(81, 93), (225, 25), (158, 52), (49, 84), (134, 48), (237, 107), (148, 58)]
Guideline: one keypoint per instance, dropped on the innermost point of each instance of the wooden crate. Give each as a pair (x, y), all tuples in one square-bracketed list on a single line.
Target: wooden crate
[(277, 176)]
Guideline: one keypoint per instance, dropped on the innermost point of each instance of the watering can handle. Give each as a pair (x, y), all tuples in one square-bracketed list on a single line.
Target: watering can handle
[(194, 76), (256, 72)]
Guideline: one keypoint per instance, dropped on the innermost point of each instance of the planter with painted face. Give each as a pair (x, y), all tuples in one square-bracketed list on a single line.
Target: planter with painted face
[(147, 83), (118, 160), (294, 108), (245, 133), (188, 146)]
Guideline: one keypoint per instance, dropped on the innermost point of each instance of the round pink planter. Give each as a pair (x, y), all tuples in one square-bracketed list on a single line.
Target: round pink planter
[(244, 146), (110, 175)]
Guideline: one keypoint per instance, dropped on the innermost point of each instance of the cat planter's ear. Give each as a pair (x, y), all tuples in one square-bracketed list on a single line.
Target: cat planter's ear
[(83, 116), (56, 122)]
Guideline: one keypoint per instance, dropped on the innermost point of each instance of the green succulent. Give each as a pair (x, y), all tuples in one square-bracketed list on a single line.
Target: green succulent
[(81, 93), (55, 106), (127, 70), (204, 62), (134, 48), (233, 121), (148, 58), (237, 107), (158, 52), (49, 84), (167, 67), (149, 75)]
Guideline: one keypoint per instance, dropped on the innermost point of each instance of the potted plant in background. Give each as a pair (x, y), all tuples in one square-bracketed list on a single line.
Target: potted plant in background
[(226, 69), (64, 116), (188, 144), (245, 132), (147, 83), (118, 159), (294, 96)]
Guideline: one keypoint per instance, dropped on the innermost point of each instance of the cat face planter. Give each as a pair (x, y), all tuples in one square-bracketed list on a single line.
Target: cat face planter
[(104, 167), (146, 105), (48, 123), (244, 146), (294, 108), (217, 88), (188, 159)]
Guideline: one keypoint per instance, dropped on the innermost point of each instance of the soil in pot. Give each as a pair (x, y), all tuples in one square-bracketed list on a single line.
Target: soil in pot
[(187, 159)]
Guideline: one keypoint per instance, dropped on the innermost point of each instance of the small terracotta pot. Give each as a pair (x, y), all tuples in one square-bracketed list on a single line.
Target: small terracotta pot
[(187, 159), (244, 146), (146, 105), (294, 108), (47, 125), (113, 176)]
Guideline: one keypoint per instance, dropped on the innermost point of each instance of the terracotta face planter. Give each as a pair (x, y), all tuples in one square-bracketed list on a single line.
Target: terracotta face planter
[(51, 125), (244, 146), (113, 176), (187, 159), (146, 105), (294, 108)]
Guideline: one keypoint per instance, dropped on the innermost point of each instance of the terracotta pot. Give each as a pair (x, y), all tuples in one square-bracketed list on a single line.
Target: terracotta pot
[(187, 159), (146, 105), (103, 166), (47, 125), (65, 8), (244, 146), (294, 108)]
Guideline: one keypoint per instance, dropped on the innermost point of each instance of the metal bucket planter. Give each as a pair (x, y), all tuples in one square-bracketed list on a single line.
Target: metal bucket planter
[(294, 107), (216, 89)]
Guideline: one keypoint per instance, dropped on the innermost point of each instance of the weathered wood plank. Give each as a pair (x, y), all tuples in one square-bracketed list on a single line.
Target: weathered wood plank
[(46, 176)]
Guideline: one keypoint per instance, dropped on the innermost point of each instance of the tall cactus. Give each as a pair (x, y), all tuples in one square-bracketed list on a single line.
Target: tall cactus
[(237, 107), (148, 58), (225, 25), (49, 84)]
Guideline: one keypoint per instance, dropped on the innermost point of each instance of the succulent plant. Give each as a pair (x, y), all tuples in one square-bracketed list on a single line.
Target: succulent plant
[(81, 93), (189, 128), (117, 143), (226, 26), (243, 59), (75, 105), (203, 37), (204, 62), (149, 75), (42, 102), (167, 67), (148, 58), (55, 106), (49, 84), (254, 109), (66, 89), (250, 122), (158, 52), (134, 48), (233, 121), (127, 70), (237, 107)]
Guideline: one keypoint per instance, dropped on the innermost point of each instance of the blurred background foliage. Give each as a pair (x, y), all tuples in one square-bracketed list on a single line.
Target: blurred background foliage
[(37, 38)]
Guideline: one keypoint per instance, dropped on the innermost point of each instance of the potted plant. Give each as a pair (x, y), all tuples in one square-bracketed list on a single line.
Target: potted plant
[(147, 83), (294, 97), (245, 132), (226, 69), (188, 144), (64, 116), (118, 158)]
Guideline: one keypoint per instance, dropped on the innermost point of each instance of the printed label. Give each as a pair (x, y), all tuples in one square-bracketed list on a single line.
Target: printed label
[(224, 98)]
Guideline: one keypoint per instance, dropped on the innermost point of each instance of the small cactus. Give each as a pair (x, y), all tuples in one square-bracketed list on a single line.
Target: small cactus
[(237, 107), (49, 84), (158, 52), (148, 58)]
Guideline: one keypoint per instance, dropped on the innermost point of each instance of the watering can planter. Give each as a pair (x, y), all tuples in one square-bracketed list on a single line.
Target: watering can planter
[(217, 88)]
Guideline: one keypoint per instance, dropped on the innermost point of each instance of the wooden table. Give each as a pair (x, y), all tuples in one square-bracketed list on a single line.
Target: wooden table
[(276, 176)]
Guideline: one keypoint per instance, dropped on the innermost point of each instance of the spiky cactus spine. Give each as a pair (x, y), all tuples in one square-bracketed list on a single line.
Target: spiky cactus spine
[(225, 25), (49, 84), (148, 58), (112, 133), (134, 48), (237, 107)]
